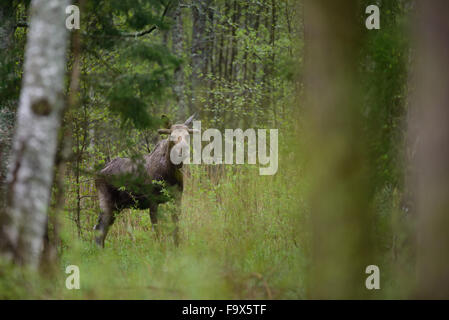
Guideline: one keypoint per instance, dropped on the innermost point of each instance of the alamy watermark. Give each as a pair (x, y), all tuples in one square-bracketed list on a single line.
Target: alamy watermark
[(220, 149), (73, 280), (372, 22), (373, 280), (73, 20)]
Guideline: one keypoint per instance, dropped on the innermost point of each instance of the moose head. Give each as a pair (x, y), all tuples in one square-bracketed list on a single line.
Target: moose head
[(179, 138)]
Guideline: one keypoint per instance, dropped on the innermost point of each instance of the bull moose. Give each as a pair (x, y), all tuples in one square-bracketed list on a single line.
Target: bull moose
[(125, 183)]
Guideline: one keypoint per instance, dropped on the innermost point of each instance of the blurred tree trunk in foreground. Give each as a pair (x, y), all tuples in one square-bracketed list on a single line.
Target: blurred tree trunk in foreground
[(429, 141), (340, 195), (23, 224)]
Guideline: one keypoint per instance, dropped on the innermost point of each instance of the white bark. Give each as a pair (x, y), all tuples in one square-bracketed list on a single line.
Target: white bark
[(38, 122)]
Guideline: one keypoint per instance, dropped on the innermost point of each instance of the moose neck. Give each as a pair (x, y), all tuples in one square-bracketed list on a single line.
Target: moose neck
[(171, 165), (174, 171)]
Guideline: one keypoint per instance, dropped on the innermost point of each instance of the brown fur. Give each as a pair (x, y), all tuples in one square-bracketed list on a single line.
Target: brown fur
[(126, 183)]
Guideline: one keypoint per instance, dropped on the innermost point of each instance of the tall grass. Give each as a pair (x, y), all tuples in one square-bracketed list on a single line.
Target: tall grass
[(242, 237)]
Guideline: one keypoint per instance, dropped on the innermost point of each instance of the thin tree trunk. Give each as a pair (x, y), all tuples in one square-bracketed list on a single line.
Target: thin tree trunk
[(23, 224), (235, 20), (82, 144), (227, 42), (245, 55), (273, 57), (256, 29), (199, 15), (211, 58), (429, 140), (220, 56), (178, 48), (7, 21), (208, 38), (289, 26), (212, 40), (78, 196)]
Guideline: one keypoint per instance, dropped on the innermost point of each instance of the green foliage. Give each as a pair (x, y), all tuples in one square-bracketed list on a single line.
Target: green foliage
[(135, 72), (384, 66), (385, 72), (11, 58)]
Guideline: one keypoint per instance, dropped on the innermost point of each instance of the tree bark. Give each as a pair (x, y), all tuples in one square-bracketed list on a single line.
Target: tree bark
[(7, 22), (248, 17), (235, 21), (221, 51), (429, 141), (338, 163), (256, 29), (273, 58), (178, 48), (199, 16), (30, 175), (227, 40)]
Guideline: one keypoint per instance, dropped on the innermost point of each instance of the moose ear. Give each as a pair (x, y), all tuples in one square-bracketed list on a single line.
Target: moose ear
[(190, 120), (164, 131), (166, 121)]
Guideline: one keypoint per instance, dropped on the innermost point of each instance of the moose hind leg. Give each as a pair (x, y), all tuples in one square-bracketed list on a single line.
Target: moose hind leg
[(105, 218)]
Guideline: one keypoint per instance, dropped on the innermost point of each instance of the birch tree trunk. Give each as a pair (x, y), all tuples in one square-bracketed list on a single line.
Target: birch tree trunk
[(23, 224), (429, 141)]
